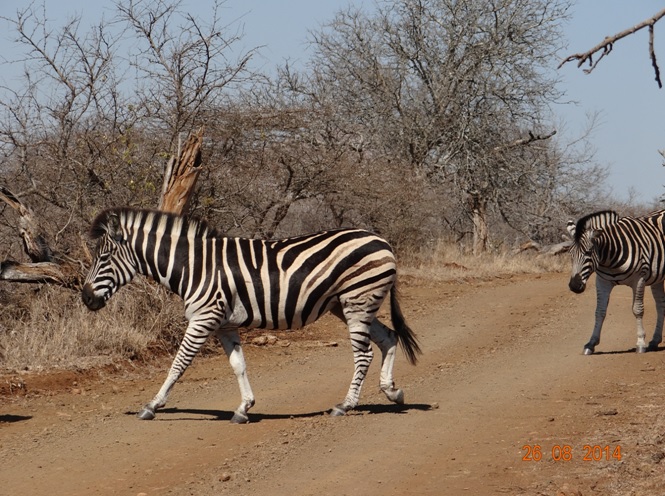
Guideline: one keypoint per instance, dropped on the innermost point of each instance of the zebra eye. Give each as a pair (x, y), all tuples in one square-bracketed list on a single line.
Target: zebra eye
[(106, 249)]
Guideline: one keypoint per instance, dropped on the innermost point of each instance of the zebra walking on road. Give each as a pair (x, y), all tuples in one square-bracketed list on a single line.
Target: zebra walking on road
[(227, 283), (621, 250)]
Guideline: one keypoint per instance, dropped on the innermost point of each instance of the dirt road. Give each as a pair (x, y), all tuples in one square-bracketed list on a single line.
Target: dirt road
[(502, 402)]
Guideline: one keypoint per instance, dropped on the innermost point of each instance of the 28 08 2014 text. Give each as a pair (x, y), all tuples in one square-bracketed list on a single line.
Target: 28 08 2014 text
[(566, 453)]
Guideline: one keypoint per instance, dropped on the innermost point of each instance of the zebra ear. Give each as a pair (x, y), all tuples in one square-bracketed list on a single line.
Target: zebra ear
[(571, 228), (113, 226)]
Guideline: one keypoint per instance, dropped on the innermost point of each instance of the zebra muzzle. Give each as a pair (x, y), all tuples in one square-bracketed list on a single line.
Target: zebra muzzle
[(576, 284), (91, 300)]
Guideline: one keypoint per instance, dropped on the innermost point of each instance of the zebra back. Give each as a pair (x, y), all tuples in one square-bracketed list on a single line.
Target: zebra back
[(656, 219)]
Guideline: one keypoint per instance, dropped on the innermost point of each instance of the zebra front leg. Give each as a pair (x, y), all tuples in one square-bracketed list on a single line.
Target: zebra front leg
[(603, 290), (362, 357), (231, 343), (638, 312), (194, 338), (659, 297), (386, 340)]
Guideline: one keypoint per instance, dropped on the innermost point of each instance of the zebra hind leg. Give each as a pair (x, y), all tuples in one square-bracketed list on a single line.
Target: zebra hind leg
[(362, 357), (231, 343), (638, 312), (386, 340), (659, 298)]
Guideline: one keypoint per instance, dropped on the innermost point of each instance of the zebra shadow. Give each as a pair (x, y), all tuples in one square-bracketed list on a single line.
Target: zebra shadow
[(379, 408), (629, 351), (10, 419), (179, 414)]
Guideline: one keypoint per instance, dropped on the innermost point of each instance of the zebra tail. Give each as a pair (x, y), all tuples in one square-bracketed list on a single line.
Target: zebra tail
[(406, 337)]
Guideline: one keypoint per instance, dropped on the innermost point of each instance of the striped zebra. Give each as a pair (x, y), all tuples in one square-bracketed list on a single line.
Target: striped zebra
[(227, 283), (621, 250)]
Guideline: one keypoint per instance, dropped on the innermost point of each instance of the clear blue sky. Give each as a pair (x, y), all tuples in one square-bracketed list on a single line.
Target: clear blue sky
[(631, 128)]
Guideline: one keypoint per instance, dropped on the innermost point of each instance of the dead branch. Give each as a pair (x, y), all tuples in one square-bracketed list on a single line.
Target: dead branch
[(43, 272), (44, 267), (605, 47), (181, 174), (34, 243), (554, 249), (523, 141)]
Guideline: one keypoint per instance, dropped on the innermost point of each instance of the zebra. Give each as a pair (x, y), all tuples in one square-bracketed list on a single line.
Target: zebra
[(621, 250), (227, 283)]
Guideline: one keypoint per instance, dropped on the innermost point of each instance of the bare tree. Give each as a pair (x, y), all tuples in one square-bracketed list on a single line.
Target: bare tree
[(441, 85), (64, 122), (182, 63)]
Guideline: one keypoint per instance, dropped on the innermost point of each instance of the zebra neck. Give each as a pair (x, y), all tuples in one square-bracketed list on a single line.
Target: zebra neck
[(179, 263)]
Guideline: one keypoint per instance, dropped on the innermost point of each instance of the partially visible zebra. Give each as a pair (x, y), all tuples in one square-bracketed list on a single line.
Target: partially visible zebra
[(621, 250), (228, 283)]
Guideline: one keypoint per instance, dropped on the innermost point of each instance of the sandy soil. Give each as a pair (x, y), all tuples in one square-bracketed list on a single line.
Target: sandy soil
[(502, 402)]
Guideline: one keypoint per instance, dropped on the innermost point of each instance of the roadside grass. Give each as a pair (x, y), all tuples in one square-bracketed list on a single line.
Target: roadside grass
[(447, 262), (58, 331), (47, 327)]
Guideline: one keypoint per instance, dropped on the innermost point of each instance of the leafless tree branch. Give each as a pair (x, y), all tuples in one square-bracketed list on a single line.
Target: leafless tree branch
[(523, 141), (605, 47)]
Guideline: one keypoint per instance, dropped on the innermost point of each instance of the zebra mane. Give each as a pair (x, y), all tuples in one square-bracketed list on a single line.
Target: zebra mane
[(597, 220), (100, 225)]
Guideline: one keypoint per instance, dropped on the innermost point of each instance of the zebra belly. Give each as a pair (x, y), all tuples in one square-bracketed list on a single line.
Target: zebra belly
[(278, 317), (631, 279)]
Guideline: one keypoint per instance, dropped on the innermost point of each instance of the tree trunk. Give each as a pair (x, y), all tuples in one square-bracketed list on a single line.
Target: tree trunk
[(181, 174), (480, 229)]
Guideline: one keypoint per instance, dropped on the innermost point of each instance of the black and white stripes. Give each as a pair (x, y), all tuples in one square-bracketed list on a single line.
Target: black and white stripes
[(228, 283), (621, 250)]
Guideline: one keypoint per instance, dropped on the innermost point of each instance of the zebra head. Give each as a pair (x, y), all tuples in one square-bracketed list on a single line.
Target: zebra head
[(583, 251), (113, 265)]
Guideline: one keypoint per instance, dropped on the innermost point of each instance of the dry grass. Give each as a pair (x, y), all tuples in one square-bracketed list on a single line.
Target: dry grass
[(50, 327), (58, 331), (447, 262)]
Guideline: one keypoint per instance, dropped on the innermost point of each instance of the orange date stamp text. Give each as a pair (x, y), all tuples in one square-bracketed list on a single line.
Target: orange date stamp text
[(566, 453)]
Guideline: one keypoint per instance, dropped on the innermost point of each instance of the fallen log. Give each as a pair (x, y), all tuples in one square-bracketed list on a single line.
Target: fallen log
[(554, 249), (40, 272)]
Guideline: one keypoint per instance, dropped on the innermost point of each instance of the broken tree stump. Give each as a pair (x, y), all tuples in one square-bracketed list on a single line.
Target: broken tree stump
[(181, 174)]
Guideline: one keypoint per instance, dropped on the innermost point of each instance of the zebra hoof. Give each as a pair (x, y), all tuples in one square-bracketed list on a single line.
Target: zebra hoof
[(588, 351), (641, 349), (396, 396), (337, 411), (239, 418), (146, 414)]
